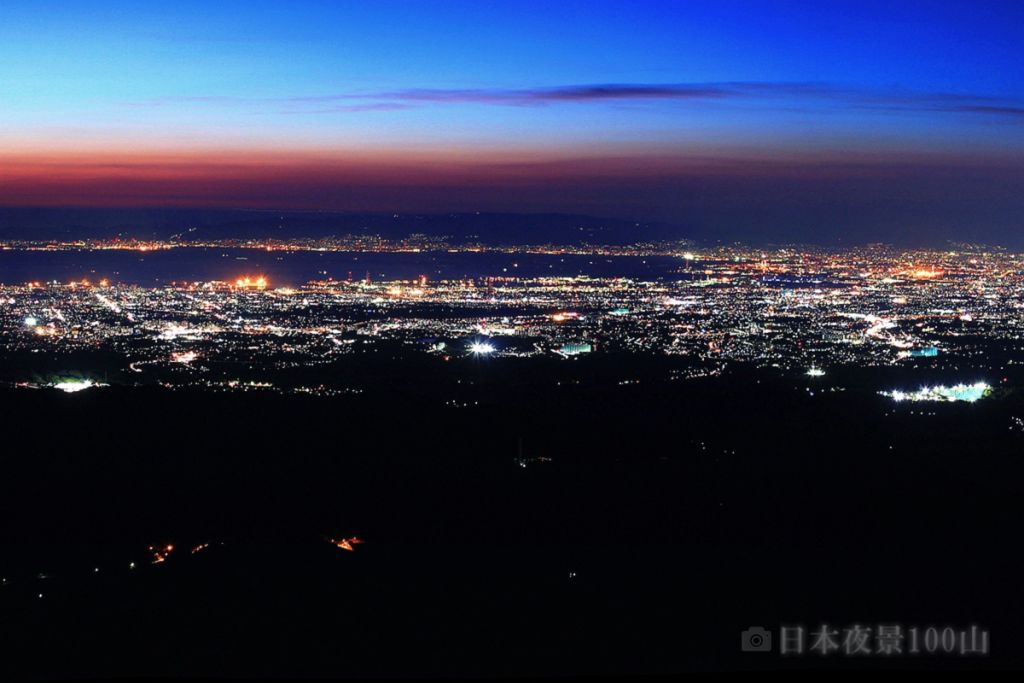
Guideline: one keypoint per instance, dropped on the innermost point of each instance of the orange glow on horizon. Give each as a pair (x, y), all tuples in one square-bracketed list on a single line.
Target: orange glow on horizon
[(261, 175)]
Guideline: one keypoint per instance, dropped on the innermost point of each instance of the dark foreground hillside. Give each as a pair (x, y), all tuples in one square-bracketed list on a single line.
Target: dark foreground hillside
[(635, 529)]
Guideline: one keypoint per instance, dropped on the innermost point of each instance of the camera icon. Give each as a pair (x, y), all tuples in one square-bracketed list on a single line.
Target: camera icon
[(755, 639)]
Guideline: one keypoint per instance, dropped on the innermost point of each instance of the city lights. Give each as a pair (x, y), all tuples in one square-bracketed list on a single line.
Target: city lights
[(818, 308)]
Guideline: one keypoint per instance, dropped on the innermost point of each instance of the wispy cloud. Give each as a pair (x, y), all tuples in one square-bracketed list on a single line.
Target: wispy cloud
[(765, 94), (1015, 112), (572, 93), (350, 108)]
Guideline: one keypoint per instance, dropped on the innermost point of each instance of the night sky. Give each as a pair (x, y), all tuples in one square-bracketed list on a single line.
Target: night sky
[(788, 119)]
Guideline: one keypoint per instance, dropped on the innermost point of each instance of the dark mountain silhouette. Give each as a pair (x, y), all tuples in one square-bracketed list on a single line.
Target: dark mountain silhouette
[(206, 224)]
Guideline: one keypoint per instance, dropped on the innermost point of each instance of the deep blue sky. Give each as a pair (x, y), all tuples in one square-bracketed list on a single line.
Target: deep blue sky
[(146, 102)]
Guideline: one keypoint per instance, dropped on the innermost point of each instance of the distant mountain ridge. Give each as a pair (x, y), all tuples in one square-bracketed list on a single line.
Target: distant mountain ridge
[(820, 228), (219, 224)]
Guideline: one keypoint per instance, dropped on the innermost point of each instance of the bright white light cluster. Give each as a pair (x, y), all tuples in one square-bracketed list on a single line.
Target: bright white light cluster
[(71, 386), (958, 392), (481, 348)]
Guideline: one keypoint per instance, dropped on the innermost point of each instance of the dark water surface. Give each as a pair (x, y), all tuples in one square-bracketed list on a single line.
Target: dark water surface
[(296, 268)]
